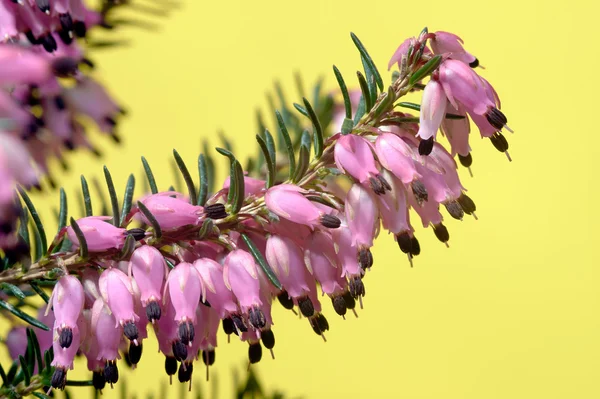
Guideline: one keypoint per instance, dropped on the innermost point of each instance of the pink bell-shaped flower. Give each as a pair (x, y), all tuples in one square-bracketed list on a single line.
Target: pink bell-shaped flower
[(63, 358), (362, 217), (216, 293), (445, 42), (252, 186), (185, 289), (108, 337), (90, 98), (457, 131), (16, 342), (287, 201), (354, 155), (67, 304), (433, 110), (99, 235), (147, 266), (169, 212), (117, 292), (397, 156)]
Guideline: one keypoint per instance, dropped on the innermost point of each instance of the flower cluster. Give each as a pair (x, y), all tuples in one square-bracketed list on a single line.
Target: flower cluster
[(187, 264), (43, 115)]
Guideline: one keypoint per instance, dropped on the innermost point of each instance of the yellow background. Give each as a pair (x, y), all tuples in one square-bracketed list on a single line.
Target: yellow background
[(512, 308)]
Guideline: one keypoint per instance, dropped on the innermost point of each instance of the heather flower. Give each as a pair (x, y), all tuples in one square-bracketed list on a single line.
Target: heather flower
[(445, 42), (99, 234), (16, 342), (171, 212), (252, 186), (185, 289), (215, 292), (67, 304), (147, 267), (457, 131), (362, 217), (397, 156), (63, 358), (117, 292), (108, 334), (433, 109)]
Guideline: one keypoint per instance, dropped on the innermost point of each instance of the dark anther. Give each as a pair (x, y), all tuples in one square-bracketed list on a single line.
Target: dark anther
[(111, 372), (66, 337), (215, 211), (257, 318), (254, 353), (48, 43), (466, 160), (64, 66), (239, 324), (426, 146), (365, 258), (467, 204), (179, 350), (205, 302), (170, 365), (208, 357), (228, 326), (376, 186), (117, 139), (285, 300), (185, 372), (441, 232), (7, 227), (110, 121), (59, 102), (356, 287), (130, 331), (384, 182), (79, 29), (339, 304), (496, 118), (153, 311), (499, 141), (98, 380), (416, 247), (306, 307), (66, 22), (135, 353), (404, 241), (43, 5), (137, 233), (419, 190), (330, 221), (31, 38), (323, 323), (88, 62), (474, 64), (186, 332), (65, 37), (268, 339), (59, 378), (455, 210), (349, 300)]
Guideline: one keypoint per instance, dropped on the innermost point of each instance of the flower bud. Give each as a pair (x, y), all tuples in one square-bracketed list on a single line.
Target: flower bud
[(287, 261), (322, 261), (185, 289), (445, 42), (396, 156), (148, 266), (354, 155), (169, 212), (67, 303), (108, 336), (287, 201), (99, 235), (362, 216), (221, 299), (433, 110), (117, 292)]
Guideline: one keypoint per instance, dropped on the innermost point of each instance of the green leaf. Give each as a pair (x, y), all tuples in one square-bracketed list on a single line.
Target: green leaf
[(36, 219), (270, 141), (186, 177), (344, 90), (318, 131), (261, 261), (288, 144), (210, 167), (48, 357), (127, 199), (39, 291), (41, 395), (270, 164), (87, 199), (425, 70), (151, 219), (364, 88), (23, 316), (12, 371), (33, 342), (368, 60), (303, 162), (360, 110), (202, 170), (232, 187), (413, 106), (64, 210), (238, 198), (3, 375), (72, 383), (301, 109), (24, 225), (370, 82), (150, 176), (206, 229), (13, 290), (25, 371), (114, 201), (385, 104), (39, 246), (83, 247)]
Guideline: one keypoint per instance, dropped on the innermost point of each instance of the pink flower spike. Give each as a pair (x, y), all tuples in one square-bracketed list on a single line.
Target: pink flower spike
[(67, 304), (117, 292), (185, 290), (99, 235), (240, 274), (148, 268), (287, 201), (397, 156), (362, 216), (216, 293), (354, 155), (445, 42), (433, 110), (169, 212)]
